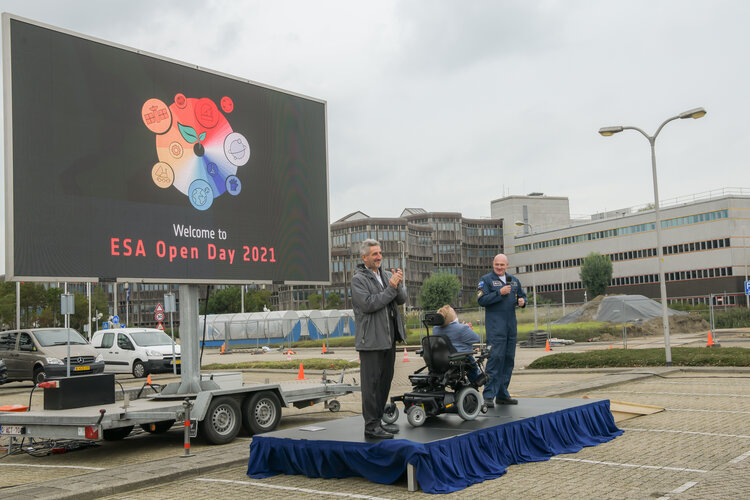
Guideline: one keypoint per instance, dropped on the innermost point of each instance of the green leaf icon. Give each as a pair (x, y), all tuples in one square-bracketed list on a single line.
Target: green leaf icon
[(202, 136), (188, 133)]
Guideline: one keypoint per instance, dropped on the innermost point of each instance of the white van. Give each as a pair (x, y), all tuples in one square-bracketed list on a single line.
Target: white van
[(139, 351)]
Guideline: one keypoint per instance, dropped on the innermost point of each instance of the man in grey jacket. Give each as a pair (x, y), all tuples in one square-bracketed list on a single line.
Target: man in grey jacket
[(376, 295)]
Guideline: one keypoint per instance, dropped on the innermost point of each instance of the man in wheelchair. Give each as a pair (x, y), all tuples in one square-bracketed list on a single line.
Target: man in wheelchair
[(453, 375)]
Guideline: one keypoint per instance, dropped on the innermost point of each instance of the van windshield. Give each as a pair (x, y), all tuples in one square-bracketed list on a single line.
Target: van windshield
[(146, 339), (58, 336)]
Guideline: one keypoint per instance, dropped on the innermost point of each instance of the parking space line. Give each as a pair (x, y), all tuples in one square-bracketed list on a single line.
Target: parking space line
[(291, 488), (635, 466), (740, 458), (53, 466), (686, 432), (679, 393), (679, 490)]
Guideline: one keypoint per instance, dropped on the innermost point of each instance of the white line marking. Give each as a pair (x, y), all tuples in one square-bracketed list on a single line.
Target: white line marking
[(709, 411), (687, 432), (678, 393), (740, 458), (54, 466), (635, 466), (291, 488), (679, 490)]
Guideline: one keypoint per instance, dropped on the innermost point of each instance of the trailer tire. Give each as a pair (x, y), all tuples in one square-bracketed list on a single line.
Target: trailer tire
[(117, 433), (139, 369), (222, 421), (261, 412), (158, 427)]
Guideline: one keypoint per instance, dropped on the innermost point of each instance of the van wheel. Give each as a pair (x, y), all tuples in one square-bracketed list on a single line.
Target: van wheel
[(261, 412), (139, 369), (39, 375), (222, 422)]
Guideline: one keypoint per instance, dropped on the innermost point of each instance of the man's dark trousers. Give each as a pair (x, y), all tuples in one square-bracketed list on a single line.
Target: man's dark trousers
[(376, 374)]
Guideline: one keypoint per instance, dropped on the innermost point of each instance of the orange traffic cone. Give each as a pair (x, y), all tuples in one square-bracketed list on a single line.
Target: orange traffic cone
[(406, 356), (148, 379), (288, 355), (610, 346), (223, 348), (324, 349), (546, 346), (711, 342), (301, 374)]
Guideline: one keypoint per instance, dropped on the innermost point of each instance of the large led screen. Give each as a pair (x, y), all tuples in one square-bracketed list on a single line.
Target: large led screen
[(125, 165)]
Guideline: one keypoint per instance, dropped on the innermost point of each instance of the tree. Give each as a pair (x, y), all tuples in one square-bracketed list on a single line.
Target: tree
[(256, 300), (438, 290), (223, 301), (596, 273), (315, 301), (333, 301)]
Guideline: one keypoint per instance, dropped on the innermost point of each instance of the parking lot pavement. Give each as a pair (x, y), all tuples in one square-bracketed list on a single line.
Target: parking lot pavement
[(699, 447)]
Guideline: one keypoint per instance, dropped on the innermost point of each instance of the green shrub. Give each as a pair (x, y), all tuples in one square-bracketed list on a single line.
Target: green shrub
[(630, 358), (735, 317)]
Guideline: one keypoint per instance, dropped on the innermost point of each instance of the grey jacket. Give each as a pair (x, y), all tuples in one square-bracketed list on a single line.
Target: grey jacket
[(372, 305)]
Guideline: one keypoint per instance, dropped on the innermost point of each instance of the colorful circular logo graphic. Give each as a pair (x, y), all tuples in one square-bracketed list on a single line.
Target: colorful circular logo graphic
[(198, 151)]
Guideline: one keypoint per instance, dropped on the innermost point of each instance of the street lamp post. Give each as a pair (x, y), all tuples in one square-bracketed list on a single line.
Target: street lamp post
[(608, 131), (533, 276)]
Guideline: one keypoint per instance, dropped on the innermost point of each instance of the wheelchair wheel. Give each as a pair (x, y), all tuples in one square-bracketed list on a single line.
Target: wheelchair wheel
[(390, 415), (416, 416), (469, 403)]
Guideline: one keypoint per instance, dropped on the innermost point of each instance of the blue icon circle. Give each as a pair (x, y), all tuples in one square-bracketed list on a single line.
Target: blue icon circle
[(201, 195), (234, 185)]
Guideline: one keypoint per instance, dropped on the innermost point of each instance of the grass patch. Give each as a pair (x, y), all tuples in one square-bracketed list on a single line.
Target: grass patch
[(309, 364), (629, 358)]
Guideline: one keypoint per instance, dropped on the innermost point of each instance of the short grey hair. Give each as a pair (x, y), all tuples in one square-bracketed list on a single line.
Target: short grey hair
[(364, 247)]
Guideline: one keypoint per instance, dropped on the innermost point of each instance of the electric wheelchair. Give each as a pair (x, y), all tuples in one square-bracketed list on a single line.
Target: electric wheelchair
[(445, 388)]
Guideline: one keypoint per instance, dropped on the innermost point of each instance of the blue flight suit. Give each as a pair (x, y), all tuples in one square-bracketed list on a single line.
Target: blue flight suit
[(500, 322)]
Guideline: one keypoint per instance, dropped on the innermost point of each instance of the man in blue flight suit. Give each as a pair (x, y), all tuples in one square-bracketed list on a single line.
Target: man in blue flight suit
[(499, 293)]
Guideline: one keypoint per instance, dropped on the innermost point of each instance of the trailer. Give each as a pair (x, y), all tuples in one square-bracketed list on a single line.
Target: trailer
[(218, 413)]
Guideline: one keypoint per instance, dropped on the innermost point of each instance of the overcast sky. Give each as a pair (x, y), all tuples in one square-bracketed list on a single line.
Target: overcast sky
[(448, 105)]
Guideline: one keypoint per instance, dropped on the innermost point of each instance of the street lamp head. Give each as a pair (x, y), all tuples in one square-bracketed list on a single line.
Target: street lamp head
[(693, 113), (607, 131)]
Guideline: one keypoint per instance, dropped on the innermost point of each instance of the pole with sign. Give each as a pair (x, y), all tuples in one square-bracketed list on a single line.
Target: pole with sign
[(171, 306), (67, 307)]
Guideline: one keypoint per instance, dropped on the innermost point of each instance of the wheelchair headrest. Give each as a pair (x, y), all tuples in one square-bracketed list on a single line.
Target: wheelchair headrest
[(433, 319)]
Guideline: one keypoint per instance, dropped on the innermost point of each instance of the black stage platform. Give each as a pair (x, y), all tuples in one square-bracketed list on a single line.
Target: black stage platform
[(446, 453)]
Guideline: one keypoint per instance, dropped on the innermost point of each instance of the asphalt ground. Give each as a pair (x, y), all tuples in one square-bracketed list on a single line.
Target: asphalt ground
[(699, 447)]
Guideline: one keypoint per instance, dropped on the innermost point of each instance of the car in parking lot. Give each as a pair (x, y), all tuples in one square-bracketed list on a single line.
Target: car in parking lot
[(39, 354), (3, 372), (139, 351)]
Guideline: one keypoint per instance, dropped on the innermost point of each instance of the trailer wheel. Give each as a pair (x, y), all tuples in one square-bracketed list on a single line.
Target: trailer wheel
[(334, 405), (261, 412), (139, 369), (117, 433), (158, 427), (222, 421)]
